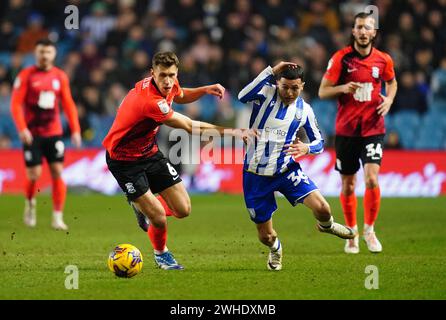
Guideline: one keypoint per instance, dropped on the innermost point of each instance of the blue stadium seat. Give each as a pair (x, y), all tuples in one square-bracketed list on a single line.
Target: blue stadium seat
[(407, 119), (208, 107), (430, 138), (325, 111), (28, 60), (406, 123), (5, 58)]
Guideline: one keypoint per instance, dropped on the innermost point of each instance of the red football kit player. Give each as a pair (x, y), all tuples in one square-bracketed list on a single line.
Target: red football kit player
[(133, 158), (354, 75), (37, 93)]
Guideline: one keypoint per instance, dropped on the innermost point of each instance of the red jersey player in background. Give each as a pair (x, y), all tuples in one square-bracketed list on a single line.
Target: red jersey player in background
[(354, 75), (37, 92), (134, 159)]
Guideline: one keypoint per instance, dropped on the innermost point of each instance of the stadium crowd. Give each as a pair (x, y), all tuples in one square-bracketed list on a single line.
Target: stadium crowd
[(227, 42)]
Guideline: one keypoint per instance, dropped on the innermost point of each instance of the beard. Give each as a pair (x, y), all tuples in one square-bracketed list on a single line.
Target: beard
[(365, 45)]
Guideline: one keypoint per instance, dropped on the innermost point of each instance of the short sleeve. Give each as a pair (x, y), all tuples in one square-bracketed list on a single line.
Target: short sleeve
[(334, 68), (159, 110), (389, 72)]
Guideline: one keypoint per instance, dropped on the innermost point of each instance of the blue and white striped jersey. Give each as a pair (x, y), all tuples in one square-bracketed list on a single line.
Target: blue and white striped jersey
[(278, 125)]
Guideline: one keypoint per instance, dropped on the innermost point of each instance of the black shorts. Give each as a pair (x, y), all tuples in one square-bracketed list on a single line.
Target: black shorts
[(349, 150), (136, 177), (52, 148)]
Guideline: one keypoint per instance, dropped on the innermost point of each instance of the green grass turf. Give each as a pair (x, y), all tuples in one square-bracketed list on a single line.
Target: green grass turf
[(219, 248)]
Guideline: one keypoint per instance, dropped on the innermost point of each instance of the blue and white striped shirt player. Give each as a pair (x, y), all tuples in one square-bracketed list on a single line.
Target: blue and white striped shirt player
[(278, 125)]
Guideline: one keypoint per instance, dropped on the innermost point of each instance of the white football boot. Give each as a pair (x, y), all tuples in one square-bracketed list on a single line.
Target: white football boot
[(339, 230), (57, 222), (275, 259), (352, 245), (372, 242), (29, 215)]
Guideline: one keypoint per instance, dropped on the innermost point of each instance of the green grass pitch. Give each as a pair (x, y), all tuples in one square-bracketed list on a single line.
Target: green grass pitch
[(218, 246)]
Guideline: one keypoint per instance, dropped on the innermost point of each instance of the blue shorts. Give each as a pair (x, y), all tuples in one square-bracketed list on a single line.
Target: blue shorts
[(259, 191)]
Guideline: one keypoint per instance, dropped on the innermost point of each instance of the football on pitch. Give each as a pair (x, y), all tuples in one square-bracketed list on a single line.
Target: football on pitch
[(125, 261)]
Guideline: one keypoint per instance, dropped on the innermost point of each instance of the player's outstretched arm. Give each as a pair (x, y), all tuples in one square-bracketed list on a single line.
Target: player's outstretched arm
[(193, 94), (180, 121)]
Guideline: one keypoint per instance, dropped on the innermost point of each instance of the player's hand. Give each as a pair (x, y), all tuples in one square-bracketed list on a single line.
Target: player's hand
[(384, 107), (76, 139), (26, 137), (297, 149), (216, 90), (247, 135), (283, 65), (350, 87)]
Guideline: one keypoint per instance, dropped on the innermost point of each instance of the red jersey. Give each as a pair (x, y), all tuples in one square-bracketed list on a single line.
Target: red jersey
[(35, 100), (357, 115), (133, 133)]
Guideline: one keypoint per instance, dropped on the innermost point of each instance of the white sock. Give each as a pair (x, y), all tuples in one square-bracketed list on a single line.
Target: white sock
[(326, 224), (276, 245), (157, 252), (368, 228), (58, 213)]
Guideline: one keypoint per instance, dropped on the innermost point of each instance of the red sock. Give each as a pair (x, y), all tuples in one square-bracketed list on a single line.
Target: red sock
[(169, 212), (59, 194), (372, 201), (158, 237), (349, 204), (30, 189)]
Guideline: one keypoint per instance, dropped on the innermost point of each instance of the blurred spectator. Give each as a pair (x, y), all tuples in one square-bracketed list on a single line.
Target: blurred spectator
[(392, 141), (7, 35), (118, 35), (96, 25), (5, 142), (33, 33), (186, 14), (114, 97), (91, 98), (409, 97), (90, 56), (277, 13), (5, 98), (15, 66), (17, 12), (438, 87)]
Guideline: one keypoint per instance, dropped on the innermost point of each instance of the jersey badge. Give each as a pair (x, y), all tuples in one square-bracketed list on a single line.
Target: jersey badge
[(164, 107)]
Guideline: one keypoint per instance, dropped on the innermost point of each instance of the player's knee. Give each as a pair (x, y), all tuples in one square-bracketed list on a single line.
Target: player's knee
[(371, 181), (182, 209), (159, 221), (348, 187), (323, 209), (267, 238)]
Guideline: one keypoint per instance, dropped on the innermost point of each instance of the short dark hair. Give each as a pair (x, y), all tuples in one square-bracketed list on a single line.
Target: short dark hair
[(165, 59), (45, 42), (361, 15), (292, 73)]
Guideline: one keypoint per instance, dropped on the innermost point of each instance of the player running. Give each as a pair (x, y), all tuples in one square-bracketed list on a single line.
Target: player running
[(37, 92), (271, 160), (354, 76), (133, 156)]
